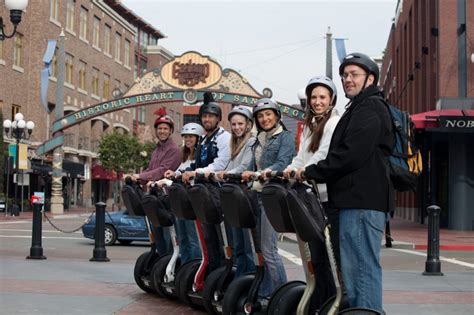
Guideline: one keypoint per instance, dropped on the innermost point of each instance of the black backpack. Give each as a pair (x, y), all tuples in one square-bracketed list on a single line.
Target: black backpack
[(405, 162)]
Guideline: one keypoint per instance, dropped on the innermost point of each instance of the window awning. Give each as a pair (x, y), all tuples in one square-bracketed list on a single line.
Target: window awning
[(431, 119), (99, 172)]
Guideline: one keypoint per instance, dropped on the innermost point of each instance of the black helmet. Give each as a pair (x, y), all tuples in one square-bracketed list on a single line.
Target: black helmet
[(363, 61), (210, 108)]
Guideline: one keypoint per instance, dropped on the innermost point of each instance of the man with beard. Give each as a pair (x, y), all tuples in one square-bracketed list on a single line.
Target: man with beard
[(166, 156), (212, 155)]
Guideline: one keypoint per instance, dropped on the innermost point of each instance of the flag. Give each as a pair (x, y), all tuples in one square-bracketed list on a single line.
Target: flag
[(340, 48), (46, 73)]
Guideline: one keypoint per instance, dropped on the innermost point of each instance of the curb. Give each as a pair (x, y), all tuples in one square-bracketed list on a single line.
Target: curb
[(447, 247), (395, 244)]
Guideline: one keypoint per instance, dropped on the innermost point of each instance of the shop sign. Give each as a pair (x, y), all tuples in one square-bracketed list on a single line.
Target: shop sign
[(191, 70), (456, 123)]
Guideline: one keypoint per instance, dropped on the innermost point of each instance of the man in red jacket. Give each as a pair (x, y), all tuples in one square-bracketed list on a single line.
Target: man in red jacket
[(166, 156)]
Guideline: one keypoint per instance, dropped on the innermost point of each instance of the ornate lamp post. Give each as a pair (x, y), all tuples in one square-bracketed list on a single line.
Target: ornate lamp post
[(16, 8), (19, 129)]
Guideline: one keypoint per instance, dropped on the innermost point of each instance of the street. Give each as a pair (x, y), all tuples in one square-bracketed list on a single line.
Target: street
[(67, 283)]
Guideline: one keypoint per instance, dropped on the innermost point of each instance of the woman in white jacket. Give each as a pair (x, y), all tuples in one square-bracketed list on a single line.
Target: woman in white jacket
[(321, 120)]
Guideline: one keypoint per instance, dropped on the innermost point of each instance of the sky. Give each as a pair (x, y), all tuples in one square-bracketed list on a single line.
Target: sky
[(274, 44)]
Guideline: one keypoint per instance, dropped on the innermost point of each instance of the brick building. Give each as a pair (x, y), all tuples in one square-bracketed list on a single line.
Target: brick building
[(428, 70), (107, 47)]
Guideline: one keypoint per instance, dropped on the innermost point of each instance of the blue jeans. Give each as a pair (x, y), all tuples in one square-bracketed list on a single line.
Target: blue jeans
[(243, 255), (188, 241), (360, 236), (274, 270)]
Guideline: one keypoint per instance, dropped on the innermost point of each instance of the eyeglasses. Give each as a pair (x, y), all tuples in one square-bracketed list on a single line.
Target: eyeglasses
[(351, 75)]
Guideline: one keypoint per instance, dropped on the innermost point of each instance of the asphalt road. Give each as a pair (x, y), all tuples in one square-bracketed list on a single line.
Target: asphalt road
[(402, 269)]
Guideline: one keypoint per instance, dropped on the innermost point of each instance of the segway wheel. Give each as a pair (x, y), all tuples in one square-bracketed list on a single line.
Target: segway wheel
[(286, 299), (236, 294), (360, 311), (140, 274), (185, 282), (210, 286), (157, 277)]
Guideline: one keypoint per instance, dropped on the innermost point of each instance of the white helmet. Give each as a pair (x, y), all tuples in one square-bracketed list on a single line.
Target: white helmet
[(241, 111), (324, 81), (192, 129)]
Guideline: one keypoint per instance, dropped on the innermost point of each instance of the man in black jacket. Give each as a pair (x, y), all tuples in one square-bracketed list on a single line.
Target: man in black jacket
[(356, 173)]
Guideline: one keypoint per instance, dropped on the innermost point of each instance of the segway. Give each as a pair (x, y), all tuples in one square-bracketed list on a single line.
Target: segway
[(287, 297), (182, 207), (157, 210), (206, 209), (313, 226), (132, 195), (239, 211)]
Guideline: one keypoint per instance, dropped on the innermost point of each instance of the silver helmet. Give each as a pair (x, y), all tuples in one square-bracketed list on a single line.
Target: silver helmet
[(192, 129), (266, 103), (324, 81), (244, 111)]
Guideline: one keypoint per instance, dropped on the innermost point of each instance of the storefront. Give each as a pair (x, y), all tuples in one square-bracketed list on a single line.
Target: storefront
[(447, 137)]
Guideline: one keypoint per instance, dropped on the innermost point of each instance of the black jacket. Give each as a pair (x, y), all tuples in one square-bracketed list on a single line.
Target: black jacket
[(355, 169)]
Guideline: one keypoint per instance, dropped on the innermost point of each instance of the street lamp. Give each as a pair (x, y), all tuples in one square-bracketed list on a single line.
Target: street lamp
[(16, 8), (18, 130), (302, 98)]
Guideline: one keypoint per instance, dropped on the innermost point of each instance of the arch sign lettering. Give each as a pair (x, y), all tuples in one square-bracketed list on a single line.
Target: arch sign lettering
[(183, 79)]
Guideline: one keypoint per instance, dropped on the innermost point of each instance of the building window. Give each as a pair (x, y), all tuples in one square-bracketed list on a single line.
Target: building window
[(1, 49), (15, 110), (70, 15), (54, 66), (142, 114), (96, 32), (69, 69), (18, 50), (178, 121), (118, 39), (107, 34), (82, 75), (106, 87), (126, 54), (95, 81), (83, 23), (54, 10)]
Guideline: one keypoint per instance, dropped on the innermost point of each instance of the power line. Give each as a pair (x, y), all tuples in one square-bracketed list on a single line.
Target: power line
[(280, 55), (266, 48)]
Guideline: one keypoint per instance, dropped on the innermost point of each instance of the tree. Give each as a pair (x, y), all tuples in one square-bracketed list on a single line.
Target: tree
[(120, 153)]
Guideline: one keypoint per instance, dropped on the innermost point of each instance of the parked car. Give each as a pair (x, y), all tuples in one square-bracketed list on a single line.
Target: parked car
[(119, 226)]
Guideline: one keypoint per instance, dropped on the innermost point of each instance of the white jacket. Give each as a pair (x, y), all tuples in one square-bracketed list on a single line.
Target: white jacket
[(305, 158)]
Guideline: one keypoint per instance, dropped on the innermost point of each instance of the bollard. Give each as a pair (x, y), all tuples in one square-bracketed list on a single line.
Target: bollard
[(433, 264), (36, 249), (100, 253)]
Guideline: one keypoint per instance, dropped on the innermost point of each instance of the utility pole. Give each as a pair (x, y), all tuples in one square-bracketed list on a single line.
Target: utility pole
[(329, 53), (57, 201)]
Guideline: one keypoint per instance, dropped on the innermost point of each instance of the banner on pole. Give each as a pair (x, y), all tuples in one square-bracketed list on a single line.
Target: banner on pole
[(23, 156), (340, 48)]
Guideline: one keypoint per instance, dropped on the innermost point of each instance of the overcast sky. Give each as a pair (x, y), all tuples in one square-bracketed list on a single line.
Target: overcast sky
[(275, 44)]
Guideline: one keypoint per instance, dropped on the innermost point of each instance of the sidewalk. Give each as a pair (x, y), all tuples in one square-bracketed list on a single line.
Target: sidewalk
[(411, 235), (28, 215)]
